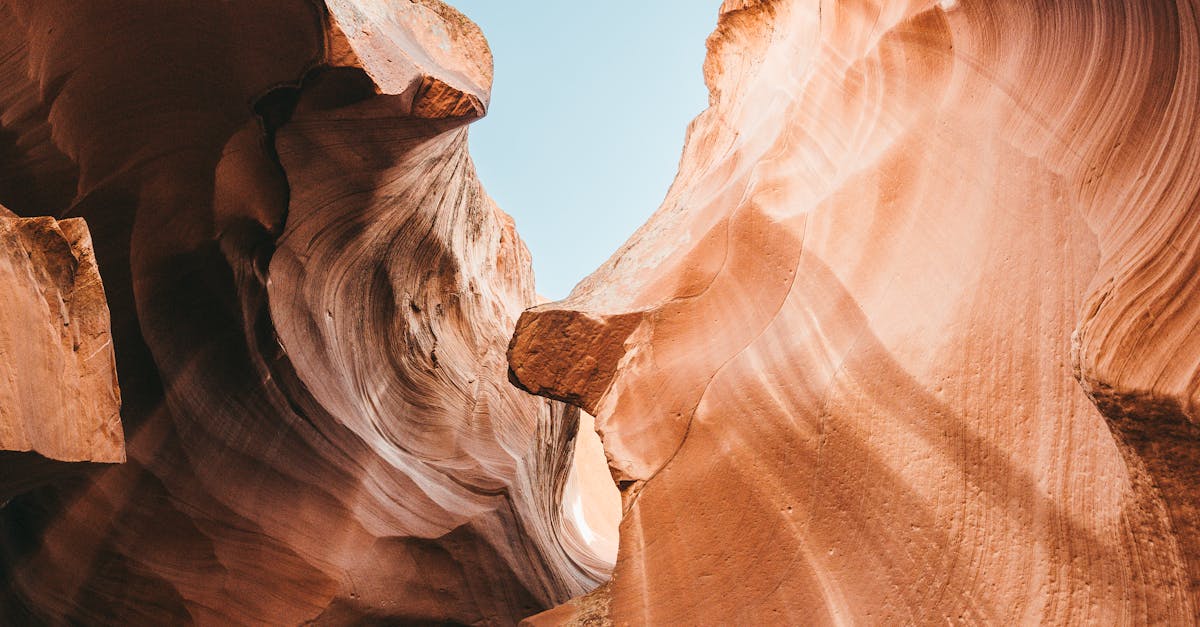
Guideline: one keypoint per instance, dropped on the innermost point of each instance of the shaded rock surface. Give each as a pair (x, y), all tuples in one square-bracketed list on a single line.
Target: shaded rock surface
[(311, 297), (59, 400), (913, 336)]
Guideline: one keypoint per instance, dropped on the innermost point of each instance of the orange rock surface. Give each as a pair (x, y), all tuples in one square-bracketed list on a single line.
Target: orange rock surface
[(59, 401), (913, 338), (311, 298)]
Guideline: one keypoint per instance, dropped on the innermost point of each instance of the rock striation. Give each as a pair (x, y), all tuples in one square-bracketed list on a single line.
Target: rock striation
[(59, 401), (913, 336), (311, 298)]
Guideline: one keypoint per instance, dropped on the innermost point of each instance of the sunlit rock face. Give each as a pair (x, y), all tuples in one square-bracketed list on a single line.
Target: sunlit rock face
[(59, 401), (311, 298), (914, 336)]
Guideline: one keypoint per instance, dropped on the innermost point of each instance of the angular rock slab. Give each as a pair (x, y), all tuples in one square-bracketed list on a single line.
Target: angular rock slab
[(913, 336), (59, 400)]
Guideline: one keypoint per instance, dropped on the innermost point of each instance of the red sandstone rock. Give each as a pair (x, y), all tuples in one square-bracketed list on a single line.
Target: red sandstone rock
[(59, 402), (913, 337), (311, 298)]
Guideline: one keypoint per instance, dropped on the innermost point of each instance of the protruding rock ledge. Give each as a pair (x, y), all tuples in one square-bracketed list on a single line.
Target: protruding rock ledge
[(59, 401)]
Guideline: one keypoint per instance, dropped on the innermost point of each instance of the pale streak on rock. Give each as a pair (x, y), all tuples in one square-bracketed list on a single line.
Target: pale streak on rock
[(836, 373)]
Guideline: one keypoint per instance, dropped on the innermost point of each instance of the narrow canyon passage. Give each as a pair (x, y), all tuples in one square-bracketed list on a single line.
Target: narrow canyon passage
[(912, 338)]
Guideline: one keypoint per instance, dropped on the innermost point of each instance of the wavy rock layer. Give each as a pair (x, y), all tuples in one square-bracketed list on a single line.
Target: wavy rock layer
[(59, 402), (311, 296), (838, 374)]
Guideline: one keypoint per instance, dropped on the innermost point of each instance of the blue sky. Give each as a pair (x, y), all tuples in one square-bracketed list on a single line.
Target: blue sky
[(589, 108)]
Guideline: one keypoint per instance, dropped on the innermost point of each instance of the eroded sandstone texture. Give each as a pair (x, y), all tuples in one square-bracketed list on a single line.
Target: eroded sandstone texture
[(311, 297), (59, 402), (914, 336)]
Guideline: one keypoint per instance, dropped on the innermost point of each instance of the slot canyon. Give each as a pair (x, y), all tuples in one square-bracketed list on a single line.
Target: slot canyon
[(914, 337)]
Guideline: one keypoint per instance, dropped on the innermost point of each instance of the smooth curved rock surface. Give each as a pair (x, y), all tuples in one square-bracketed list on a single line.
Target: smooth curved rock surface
[(311, 298), (913, 337), (59, 400)]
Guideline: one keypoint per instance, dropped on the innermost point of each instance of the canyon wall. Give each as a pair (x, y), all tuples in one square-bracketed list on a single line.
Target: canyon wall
[(311, 296), (913, 338), (59, 401)]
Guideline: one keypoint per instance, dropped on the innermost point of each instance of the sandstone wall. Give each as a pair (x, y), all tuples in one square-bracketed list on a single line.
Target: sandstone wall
[(913, 337), (311, 297)]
